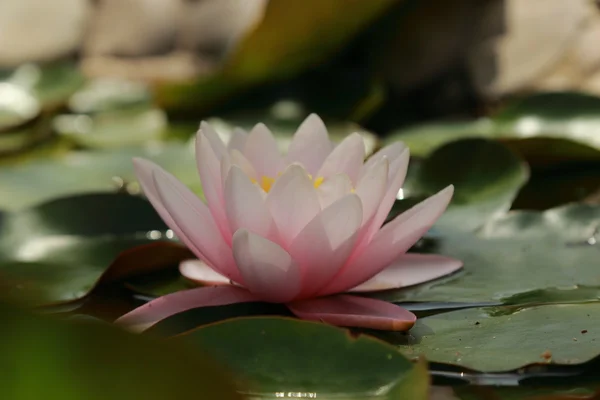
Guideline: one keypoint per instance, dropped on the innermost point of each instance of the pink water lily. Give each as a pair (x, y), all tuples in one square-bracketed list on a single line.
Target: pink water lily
[(302, 229)]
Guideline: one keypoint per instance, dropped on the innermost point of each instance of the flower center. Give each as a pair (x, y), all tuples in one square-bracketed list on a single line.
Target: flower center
[(266, 182)]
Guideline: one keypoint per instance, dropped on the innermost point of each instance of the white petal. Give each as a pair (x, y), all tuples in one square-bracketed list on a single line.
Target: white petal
[(310, 145), (268, 270), (372, 187), (334, 188), (261, 150), (238, 140), (293, 202), (346, 158), (245, 206)]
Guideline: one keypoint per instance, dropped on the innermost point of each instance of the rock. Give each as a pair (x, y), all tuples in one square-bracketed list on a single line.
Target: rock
[(212, 27), (133, 27), (40, 30), (538, 34)]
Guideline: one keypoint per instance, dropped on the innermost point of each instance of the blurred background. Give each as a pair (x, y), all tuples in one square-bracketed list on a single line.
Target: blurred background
[(93, 76)]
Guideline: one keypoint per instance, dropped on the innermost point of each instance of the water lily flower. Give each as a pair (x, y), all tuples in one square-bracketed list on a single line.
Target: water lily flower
[(304, 229)]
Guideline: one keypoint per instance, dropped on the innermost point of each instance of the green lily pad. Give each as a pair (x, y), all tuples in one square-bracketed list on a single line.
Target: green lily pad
[(562, 334), (17, 106), (486, 175), (313, 32), (59, 251), (91, 171), (109, 94), (282, 356), (516, 254), (46, 359), (113, 129), (284, 119), (545, 128)]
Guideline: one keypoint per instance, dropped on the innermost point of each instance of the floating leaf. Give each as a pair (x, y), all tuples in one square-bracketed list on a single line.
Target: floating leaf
[(87, 172), (486, 176), (545, 128), (59, 251), (110, 94), (562, 334), (113, 129), (17, 106), (516, 254), (45, 359), (286, 357)]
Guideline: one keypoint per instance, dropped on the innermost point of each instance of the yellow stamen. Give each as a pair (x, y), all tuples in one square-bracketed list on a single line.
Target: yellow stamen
[(266, 182)]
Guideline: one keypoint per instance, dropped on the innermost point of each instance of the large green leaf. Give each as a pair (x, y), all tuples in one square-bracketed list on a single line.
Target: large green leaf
[(545, 128), (84, 172), (45, 359), (486, 177), (59, 251), (564, 334), (282, 356), (518, 253), (290, 38)]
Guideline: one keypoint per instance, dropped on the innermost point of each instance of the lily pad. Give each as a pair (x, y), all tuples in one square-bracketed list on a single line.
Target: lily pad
[(113, 129), (46, 359), (286, 357), (545, 128), (284, 119), (91, 171), (562, 334), (58, 251), (516, 254), (486, 175), (17, 106), (110, 94)]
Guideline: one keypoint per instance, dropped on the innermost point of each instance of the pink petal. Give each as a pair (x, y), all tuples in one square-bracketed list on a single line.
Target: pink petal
[(268, 270), (200, 272), (354, 311), (391, 152), (410, 269), (194, 219), (310, 145), (347, 158), (150, 313), (397, 169), (390, 242), (238, 140), (334, 188), (237, 158), (293, 202), (262, 151), (215, 141), (371, 188), (326, 242), (245, 206), (209, 168)]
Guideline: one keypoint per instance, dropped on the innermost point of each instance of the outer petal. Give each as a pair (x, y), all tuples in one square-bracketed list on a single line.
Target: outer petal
[(268, 270), (245, 205), (391, 241), (261, 150), (237, 158), (371, 188), (293, 202), (200, 272), (238, 140), (310, 145), (326, 242), (194, 219), (397, 169), (209, 167), (410, 269), (360, 312), (215, 141), (334, 188), (391, 152), (346, 158), (150, 313), (143, 170)]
